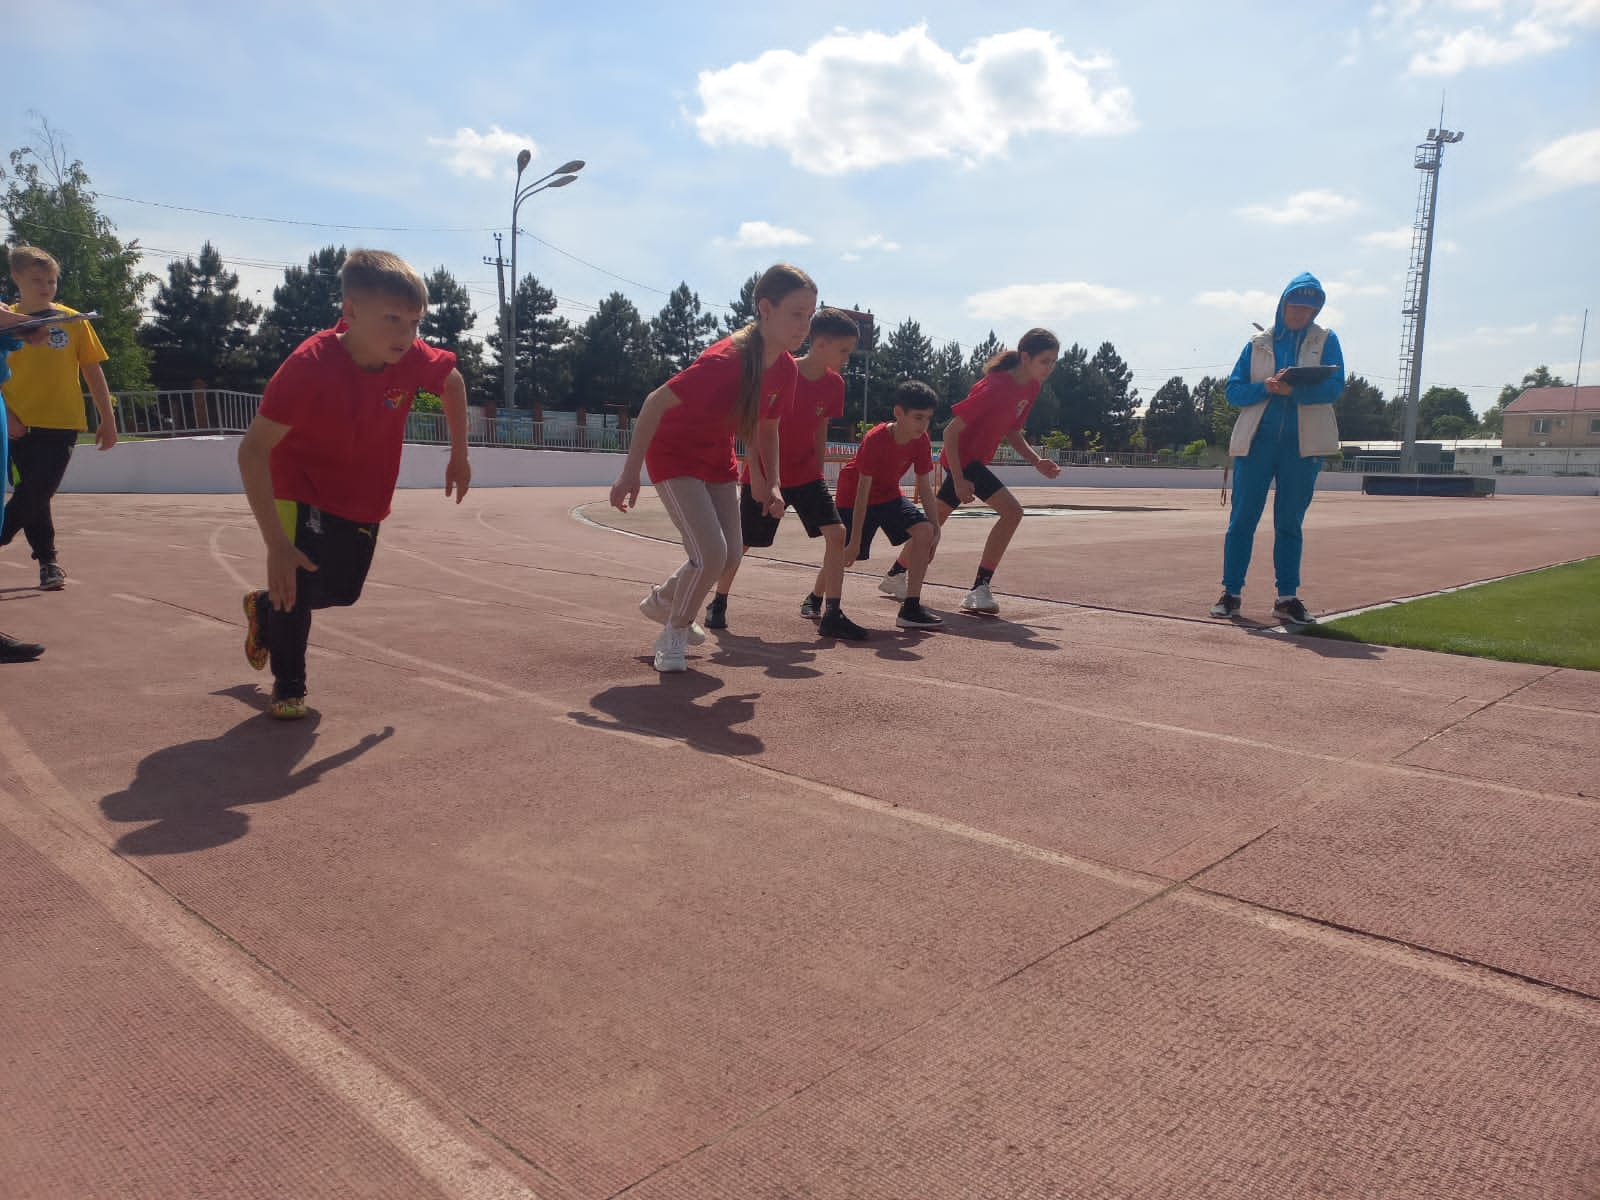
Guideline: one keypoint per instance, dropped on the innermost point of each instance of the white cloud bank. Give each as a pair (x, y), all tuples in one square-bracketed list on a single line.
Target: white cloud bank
[(1303, 208), (764, 235), (484, 155), (1567, 162), (854, 101), (1044, 302)]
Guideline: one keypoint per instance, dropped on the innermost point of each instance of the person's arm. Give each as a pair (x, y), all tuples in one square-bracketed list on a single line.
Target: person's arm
[(1241, 392), (928, 498), (763, 489), (105, 435), (255, 469), (952, 452), (1019, 442), (822, 445), (625, 491), (858, 518), (458, 471), (1331, 388)]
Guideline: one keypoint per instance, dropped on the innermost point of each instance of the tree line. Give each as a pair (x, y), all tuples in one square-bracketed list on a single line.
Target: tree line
[(200, 330)]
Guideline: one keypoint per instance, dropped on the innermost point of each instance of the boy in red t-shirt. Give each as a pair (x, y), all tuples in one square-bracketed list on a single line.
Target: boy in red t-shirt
[(802, 442), (995, 411), (870, 498), (321, 459)]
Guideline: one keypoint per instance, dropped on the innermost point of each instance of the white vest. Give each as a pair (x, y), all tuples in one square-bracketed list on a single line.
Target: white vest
[(1319, 431)]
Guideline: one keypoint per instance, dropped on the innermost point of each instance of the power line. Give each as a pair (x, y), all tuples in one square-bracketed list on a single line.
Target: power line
[(211, 212)]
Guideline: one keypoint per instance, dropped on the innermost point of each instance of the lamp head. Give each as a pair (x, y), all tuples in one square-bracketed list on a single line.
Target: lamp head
[(524, 157), (568, 168)]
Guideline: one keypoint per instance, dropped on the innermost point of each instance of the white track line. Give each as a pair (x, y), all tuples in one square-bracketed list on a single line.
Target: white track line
[(463, 1169)]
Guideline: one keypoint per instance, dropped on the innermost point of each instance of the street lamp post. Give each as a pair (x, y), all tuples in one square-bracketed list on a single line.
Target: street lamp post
[(560, 177)]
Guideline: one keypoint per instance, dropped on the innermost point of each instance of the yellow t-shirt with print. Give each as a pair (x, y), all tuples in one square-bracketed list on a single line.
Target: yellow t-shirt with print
[(46, 389)]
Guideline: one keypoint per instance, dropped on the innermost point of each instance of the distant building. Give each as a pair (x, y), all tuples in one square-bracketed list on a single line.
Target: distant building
[(1549, 418)]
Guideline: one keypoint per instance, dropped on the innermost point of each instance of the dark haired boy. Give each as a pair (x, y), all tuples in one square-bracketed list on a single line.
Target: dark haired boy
[(870, 498), (802, 442)]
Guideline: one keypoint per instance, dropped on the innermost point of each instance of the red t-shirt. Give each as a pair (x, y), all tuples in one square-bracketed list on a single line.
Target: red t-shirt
[(996, 405), (346, 425), (816, 401), (885, 460), (696, 437)]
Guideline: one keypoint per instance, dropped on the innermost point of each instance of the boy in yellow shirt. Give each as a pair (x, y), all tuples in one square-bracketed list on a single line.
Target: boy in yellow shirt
[(45, 404)]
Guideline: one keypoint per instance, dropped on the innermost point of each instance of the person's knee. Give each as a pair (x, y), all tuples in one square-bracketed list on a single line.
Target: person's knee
[(1006, 507)]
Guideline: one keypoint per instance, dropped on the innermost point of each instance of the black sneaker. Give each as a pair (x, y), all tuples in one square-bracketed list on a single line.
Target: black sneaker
[(1292, 613), (837, 625), (811, 607), (1227, 606), (51, 577), (914, 616), (12, 650), (717, 614)]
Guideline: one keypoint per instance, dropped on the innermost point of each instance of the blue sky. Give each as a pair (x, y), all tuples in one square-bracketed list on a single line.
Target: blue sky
[(1148, 173)]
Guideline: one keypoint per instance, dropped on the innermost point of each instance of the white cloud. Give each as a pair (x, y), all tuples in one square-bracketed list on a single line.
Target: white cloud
[(484, 155), (764, 235), (853, 101), (1302, 208), (1493, 335), (849, 256), (1389, 239), (1566, 324), (1047, 301), (1571, 161), (876, 241), (1477, 47), (1499, 32)]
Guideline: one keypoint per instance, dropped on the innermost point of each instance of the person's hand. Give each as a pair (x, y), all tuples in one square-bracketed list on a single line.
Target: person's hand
[(965, 492), (14, 426), (934, 544), (1276, 386), (1048, 468), (457, 477), (625, 491), (773, 505), (852, 551), (283, 560), (105, 436)]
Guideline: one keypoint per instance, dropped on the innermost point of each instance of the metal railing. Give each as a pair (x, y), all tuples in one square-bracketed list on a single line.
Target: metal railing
[(182, 413)]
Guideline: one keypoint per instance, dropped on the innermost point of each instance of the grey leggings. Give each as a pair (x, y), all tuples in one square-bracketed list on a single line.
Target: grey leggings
[(707, 517)]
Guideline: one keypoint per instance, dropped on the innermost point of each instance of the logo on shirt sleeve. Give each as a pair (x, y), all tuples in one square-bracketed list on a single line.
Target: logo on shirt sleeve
[(393, 399)]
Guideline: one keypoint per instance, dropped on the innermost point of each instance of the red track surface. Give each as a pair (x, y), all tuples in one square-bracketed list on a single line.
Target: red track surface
[(1101, 899)]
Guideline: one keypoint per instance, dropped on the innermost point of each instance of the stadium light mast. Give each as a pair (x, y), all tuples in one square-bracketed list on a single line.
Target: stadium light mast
[(1414, 308), (564, 174)]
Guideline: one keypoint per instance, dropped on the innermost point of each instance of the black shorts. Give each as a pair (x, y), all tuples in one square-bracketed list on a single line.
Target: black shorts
[(895, 517), (811, 502), (982, 479)]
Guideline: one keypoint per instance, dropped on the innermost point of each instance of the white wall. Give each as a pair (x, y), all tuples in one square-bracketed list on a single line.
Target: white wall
[(208, 465)]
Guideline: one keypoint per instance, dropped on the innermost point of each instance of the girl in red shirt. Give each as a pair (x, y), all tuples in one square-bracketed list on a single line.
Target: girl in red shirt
[(995, 410), (685, 435)]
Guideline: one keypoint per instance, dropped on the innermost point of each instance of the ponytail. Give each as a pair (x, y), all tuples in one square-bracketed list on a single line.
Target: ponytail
[(1035, 341)]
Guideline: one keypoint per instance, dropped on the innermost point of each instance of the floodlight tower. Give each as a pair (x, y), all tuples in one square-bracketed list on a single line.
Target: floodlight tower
[(1414, 309)]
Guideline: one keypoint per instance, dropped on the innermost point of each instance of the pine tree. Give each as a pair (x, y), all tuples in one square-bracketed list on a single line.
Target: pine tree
[(446, 324), (1122, 399), (544, 349), (306, 302), (680, 331), (742, 310), (201, 330), (612, 358)]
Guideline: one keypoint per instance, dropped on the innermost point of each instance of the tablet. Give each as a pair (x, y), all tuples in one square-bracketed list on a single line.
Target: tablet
[(1300, 376)]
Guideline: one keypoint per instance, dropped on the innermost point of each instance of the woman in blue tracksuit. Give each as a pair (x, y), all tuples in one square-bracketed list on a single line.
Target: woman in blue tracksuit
[(11, 649), (1281, 436)]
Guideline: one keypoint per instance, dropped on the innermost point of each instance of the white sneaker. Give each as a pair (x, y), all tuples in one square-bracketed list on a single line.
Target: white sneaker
[(893, 585), (980, 600), (669, 649), (656, 611)]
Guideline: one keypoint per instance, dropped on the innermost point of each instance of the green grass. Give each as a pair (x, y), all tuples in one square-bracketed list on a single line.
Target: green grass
[(1550, 616)]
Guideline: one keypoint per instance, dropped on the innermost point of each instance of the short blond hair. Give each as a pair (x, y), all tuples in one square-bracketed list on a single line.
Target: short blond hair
[(25, 258), (378, 272)]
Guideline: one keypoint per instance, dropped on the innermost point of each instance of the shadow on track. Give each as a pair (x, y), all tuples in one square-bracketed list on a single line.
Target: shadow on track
[(192, 792)]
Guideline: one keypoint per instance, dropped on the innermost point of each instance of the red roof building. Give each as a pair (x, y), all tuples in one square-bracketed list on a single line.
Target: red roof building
[(1553, 416)]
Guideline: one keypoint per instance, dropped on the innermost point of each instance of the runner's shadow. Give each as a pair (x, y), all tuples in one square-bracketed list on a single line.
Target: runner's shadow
[(1332, 644), (994, 629), (667, 709), (192, 791), (779, 660)]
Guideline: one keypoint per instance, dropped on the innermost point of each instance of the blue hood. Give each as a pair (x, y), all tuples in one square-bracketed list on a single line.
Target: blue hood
[(1281, 333)]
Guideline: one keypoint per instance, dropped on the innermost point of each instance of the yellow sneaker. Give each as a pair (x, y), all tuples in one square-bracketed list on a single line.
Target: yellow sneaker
[(288, 708), (255, 650)]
